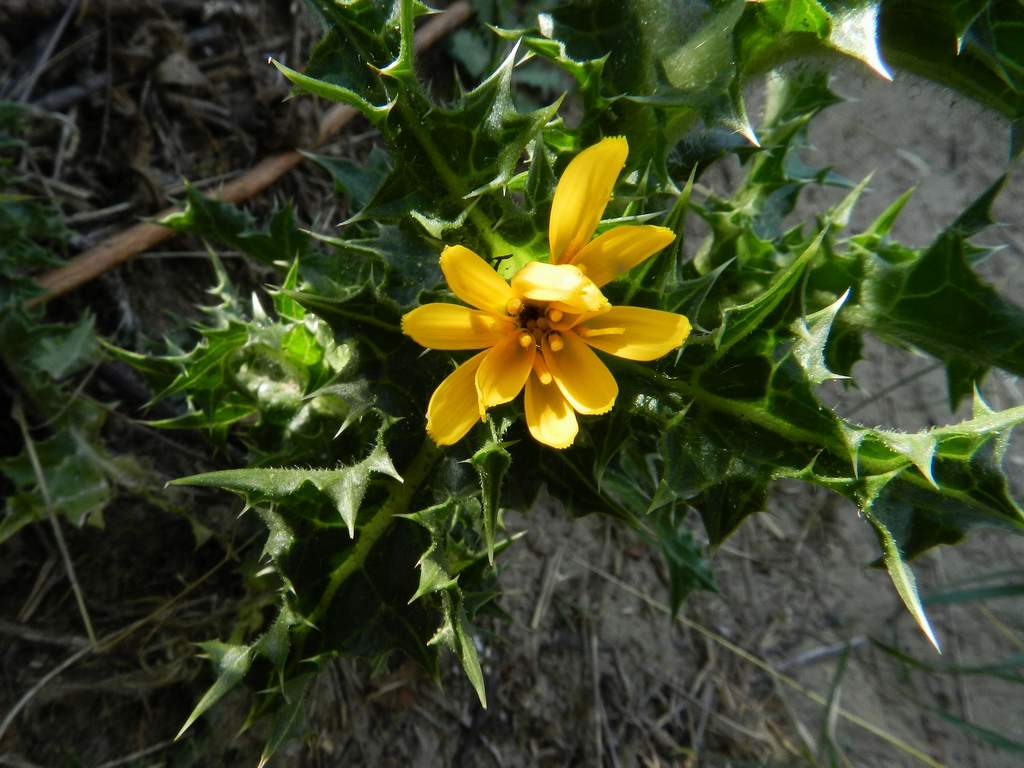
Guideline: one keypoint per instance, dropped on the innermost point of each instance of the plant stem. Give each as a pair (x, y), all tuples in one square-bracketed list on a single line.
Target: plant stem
[(369, 534)]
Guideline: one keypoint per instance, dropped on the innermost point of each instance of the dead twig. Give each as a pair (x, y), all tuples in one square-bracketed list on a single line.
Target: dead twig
[(129, 243)]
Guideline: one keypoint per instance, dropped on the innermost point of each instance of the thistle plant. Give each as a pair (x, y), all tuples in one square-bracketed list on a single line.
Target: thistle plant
[(382, 489)]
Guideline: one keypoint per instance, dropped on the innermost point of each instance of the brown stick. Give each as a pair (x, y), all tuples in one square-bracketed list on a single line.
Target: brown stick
[(127, 244)]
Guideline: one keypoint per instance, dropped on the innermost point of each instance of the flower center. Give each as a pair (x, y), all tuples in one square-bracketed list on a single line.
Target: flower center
[(536, 322)]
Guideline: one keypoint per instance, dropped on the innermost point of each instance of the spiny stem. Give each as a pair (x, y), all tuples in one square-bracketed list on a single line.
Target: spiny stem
[(779, 426)]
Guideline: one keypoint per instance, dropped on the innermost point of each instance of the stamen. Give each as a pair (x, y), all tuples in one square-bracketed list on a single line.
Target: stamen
[(555, 315), (525, 340), (514, 306), (556, 342), (541, 369)]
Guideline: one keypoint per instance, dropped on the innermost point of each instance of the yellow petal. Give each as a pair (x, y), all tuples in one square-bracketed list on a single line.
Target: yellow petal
[(584, 380), (452, 326), (618, 250), (503, 372), (563, 284), (452, 411), (548, 415), (581, 196), (474, 280), (635, 333)]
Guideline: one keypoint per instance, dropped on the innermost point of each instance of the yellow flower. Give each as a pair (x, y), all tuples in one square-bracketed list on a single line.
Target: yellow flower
[(540, 330)]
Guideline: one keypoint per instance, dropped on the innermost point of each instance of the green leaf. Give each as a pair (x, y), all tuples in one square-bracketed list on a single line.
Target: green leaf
[(456, 633), (233, 227), (933, 300), (81, 475), (285, 307), (60, 354), (465, 649), (811, 337), (287, 717), (360, 182), (740, 321), (232, 663), (433, 564), (227, 412), (986, 735), (328, 90), (964, 13), (976, 54), (855, 32), (1003, 669), (902, 577), (688, 569), (345, 486), (688, 297), (491, 463)]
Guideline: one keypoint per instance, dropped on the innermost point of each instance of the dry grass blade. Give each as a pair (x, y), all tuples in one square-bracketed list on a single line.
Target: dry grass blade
[(51, 514), (107, 642), (39, 684)]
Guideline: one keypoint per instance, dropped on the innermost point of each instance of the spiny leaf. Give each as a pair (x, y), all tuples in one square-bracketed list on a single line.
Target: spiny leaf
[(374, 113), (232, 663), (275, 644), (491, 463), (465, 649), (345, 486), (433, 565), (920, 448), (880, 228), (293, 693), (359, 182), (811, 337), (934, 300), (902, 578), (456, 633), (286, 307), (738, 322), (855, 32), (839, 216)]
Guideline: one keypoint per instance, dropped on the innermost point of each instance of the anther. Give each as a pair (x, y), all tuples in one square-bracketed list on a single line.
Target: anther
[(555, 340), (525, 340), (555, 315), (541, 370), (514, 306)]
